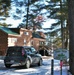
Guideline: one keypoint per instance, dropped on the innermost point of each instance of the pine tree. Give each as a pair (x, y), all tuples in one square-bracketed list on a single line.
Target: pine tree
[(4, 10)]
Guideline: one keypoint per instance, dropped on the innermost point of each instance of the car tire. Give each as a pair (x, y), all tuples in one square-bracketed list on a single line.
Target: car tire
[(40, 62), (7, 65), (27, 65)]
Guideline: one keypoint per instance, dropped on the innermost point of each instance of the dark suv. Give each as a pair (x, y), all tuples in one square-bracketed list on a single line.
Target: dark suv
[(22, 55)]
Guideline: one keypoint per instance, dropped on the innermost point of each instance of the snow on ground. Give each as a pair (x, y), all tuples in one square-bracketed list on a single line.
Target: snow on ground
[(45, 69)]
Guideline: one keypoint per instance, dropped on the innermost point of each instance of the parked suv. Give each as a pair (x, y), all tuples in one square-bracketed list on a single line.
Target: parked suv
[(22, 55)]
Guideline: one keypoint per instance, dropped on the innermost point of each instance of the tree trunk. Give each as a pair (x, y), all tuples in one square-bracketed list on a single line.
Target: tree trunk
[(66, 35), (27, 15), (71, 34), (62, 33)]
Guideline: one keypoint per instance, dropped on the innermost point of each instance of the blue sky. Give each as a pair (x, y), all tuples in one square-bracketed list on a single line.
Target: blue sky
[(48, 23), (15, 23)]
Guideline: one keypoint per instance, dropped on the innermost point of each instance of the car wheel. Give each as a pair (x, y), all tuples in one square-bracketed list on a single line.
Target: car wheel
[(7, 65), (40, 62), (27, 65)]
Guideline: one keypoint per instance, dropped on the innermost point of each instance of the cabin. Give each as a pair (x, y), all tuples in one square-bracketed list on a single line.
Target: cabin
[(19, 37)]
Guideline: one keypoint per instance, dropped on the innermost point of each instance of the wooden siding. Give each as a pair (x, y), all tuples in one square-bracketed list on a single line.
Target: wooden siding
[(3, 42)]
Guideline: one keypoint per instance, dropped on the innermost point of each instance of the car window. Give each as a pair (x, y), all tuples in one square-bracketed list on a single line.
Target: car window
[(27, 50), (14, 51), (33, 49)]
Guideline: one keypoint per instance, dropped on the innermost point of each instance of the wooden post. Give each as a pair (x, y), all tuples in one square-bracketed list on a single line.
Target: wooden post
[(52, 67), (61, 64)]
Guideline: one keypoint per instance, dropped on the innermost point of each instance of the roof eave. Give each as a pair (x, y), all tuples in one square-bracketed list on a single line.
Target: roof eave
[(13, 35)]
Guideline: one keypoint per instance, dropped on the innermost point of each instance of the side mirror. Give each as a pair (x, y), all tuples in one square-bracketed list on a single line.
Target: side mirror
[(36, 52)]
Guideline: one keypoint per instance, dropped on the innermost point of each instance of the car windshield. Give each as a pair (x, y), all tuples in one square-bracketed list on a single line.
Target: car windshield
[(14, 51), (29, 50)]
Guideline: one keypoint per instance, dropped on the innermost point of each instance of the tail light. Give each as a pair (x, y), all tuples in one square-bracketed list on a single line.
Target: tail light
[(23, 52)]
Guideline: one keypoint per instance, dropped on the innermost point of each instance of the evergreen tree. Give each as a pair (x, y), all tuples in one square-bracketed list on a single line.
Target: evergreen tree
[(59, 12), (4, 10)]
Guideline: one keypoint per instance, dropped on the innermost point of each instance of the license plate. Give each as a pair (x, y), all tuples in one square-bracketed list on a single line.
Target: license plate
[(12, 61)]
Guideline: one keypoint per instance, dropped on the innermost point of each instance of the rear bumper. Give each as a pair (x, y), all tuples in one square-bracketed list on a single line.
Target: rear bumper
[(15, 63), (18, 64)]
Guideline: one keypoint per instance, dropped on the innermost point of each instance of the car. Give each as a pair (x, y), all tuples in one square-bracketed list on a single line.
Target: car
[(45, 52), (22, 56)]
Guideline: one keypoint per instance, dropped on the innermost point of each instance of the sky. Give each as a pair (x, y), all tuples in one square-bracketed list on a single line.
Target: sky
[(48, 23), (15, 23), (45, 69)]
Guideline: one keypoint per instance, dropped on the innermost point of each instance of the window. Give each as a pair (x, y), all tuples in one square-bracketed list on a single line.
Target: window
[(33, 49), (13, 39), (26, 33), (41, 43)]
